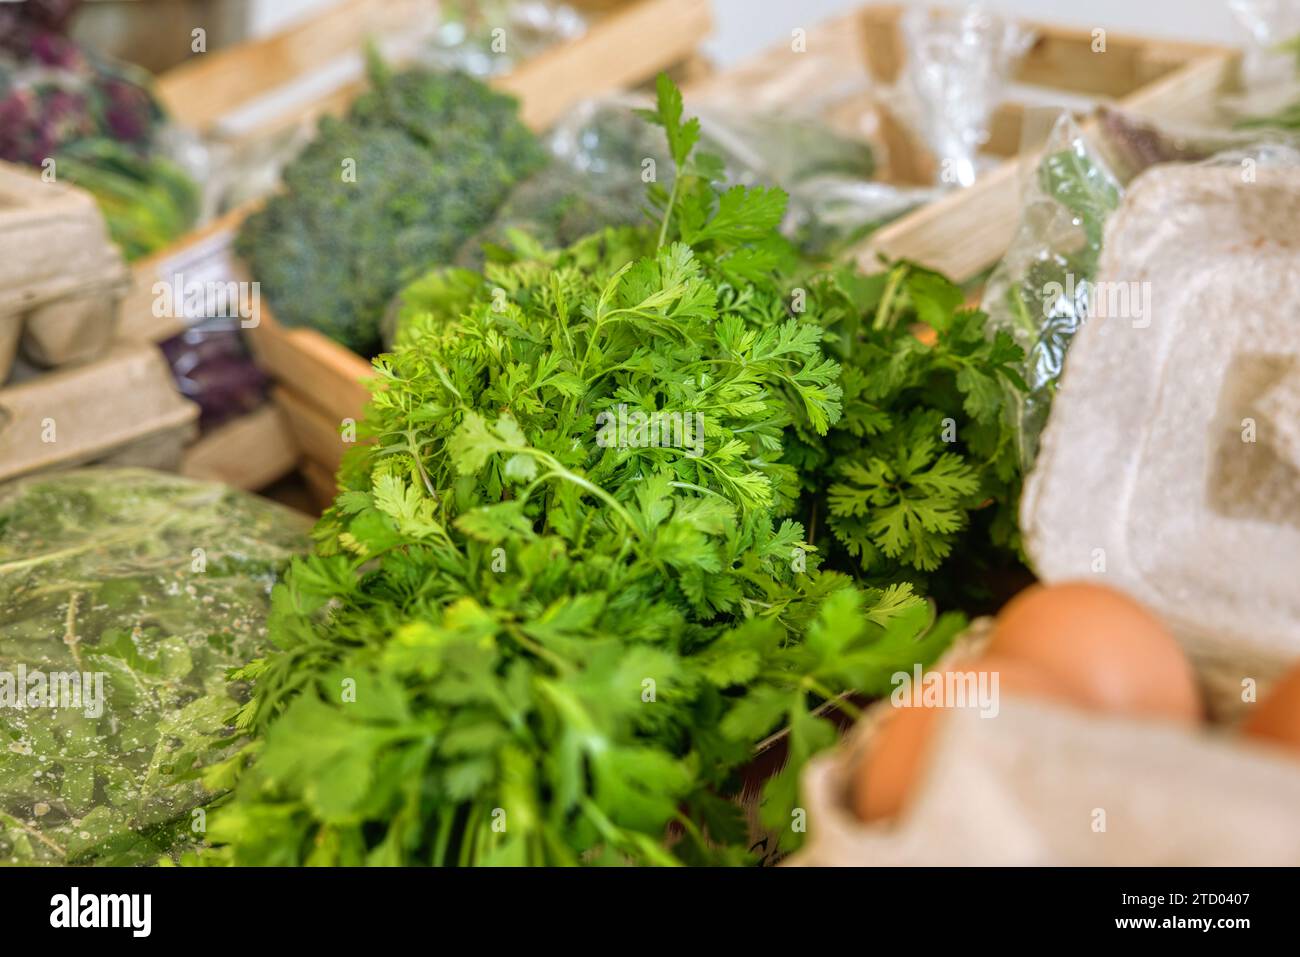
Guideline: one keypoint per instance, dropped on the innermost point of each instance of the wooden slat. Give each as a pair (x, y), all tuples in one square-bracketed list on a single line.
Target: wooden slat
[(618, 51), (249, 453), (1061, 58), (320, 483), (1188, 94), (1006, 126), (621, 49), (206, 88), (316, 434), (322, 372)]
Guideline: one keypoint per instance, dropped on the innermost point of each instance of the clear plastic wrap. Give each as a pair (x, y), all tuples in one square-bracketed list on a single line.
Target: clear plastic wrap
[(1041, 291), (1270, 69), (834, 200), (958, 65), (601, 151), (594, 180), (489, 37), (159, 585), (212, 366)]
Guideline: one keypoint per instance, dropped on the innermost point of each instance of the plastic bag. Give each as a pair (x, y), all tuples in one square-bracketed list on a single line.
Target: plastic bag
[(603, 151), (1040, 292), (594, 180), (1270, 69), (490, 37), (212, 366), (109, 777), (958, 66)]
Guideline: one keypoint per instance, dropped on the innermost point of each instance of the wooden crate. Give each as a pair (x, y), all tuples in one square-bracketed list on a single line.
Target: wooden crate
[(278, 82), (844, 60), (319, 384), (966, 232)]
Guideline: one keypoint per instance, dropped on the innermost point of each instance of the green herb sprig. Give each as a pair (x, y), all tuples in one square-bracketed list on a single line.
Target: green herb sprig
[(517, 645)]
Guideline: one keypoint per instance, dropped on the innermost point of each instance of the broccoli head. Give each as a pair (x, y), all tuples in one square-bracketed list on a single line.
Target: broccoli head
[(420, 163)]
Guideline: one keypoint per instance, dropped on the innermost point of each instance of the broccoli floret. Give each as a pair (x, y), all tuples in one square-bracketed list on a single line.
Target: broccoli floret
[(433, 155)]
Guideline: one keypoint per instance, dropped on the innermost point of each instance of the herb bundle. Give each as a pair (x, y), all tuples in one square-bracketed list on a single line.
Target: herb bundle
[(922, 463), (518, 644)]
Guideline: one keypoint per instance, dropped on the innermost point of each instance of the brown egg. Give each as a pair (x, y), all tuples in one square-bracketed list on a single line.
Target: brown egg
[(1111, 653), (1277, 717), (900, 750)]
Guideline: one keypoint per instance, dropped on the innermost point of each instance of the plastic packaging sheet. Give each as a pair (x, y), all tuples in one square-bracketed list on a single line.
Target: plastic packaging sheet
[(1040, 291), (110, 776), (1270, 69), (212, 366), (490, 37), (603, 153), (959, 63)]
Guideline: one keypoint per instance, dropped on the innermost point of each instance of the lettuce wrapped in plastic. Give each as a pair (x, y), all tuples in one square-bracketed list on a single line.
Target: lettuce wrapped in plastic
[(125, 595)]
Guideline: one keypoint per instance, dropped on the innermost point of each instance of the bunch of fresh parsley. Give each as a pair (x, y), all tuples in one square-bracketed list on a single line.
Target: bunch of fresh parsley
[(517, 645), (921, 464)]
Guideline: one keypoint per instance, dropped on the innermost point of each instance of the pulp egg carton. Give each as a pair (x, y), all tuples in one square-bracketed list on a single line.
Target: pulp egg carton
[(1042, 784), (1170, 468), (61, 277), (120, 409), (1170, 465)]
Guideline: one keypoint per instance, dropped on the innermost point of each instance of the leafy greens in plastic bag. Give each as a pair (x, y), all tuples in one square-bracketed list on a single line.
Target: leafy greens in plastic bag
[(146, 587)]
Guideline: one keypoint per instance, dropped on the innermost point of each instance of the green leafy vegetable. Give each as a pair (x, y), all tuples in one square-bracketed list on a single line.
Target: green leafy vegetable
[(922, 463), (421, 162), (562, 595), (148, 203), (157, 585)]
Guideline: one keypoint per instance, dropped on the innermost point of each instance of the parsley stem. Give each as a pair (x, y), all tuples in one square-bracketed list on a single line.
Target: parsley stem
[(538, 650), (886, 305), (419, 466), (668, 210), (559, 471), (838, 700)]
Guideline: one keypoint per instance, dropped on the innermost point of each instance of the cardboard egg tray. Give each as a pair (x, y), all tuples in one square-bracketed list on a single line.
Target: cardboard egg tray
[(60, 276), (1170, 469), (121, 409), (1045, 785), (1170, 466)]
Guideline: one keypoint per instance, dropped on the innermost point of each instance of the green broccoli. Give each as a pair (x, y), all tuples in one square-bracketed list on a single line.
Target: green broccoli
[(420, 163)]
